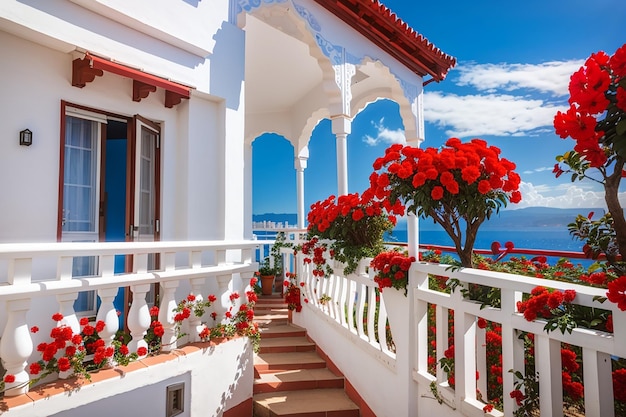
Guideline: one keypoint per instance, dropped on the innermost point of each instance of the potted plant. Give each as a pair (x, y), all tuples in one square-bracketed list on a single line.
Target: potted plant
[(267, 274)]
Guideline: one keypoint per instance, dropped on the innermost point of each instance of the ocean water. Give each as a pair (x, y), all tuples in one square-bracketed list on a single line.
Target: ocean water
[(537, 238)]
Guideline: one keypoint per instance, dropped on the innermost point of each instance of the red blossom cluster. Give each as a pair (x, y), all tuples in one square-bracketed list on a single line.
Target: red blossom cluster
[(458, 169), (593, 89), (617, 292), (354, 224), (542, 301), (67, 349), (313, 251), (351, 206), (392, 269), (292, 292)]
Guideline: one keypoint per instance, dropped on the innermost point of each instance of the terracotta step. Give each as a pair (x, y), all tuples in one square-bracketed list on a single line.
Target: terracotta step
[(278, 362), (297, 379), (286, 344), (273, 330), (309, 403)]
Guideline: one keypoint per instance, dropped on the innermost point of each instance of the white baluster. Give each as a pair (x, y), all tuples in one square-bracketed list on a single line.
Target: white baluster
[(548, 363), (223, 297), (166, 315), (138, 320), (66, 308), (195, 322), (108, 315), (16, 347)]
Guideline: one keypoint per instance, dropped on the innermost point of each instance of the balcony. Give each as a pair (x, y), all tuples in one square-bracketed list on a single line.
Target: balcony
[(386, 353)]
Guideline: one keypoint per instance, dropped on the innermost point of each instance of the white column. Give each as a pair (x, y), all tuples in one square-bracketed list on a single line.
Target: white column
[(138, 317), (16, 346), (300, 163), (341, 128)]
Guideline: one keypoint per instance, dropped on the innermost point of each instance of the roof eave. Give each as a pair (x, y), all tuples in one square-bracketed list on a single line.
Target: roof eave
[(378, 24)]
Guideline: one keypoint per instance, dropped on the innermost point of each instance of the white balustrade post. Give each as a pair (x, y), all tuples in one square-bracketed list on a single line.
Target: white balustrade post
[(166, 315), (108, 315), (512, 347), (66, 308), (16, 346), (598, 383), (195, 322), (138, 320), (223, 297), (548, 365)]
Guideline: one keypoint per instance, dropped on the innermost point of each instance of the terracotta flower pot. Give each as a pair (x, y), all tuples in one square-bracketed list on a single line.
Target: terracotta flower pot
[(267, 284)]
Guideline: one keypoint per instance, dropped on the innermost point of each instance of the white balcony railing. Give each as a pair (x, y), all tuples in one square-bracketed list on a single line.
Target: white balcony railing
[(396, 379), (38, 282)]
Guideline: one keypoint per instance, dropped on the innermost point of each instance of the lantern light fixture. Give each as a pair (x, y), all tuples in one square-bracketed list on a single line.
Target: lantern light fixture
[(26, 137)]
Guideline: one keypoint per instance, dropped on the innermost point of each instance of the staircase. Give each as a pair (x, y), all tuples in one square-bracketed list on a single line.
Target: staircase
[(291, 379)]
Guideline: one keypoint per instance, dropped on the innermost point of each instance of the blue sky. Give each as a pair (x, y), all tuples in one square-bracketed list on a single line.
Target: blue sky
[(514, 60)]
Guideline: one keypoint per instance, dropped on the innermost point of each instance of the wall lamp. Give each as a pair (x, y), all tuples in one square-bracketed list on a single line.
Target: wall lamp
[(26, 137)]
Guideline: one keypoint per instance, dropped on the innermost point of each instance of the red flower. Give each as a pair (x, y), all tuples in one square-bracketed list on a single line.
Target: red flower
[(212, 298), (482, 323), (142, 351), (437, 193), (617, 292), (487, 408), (64, 364), (35, 368), (34, 329), (154, 311), (57, 317), (9, 378)]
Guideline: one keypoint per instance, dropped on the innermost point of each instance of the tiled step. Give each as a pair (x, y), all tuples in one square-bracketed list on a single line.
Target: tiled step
[(297, 379), (309, 403), (286, 344), (278, 362), (291, 379)]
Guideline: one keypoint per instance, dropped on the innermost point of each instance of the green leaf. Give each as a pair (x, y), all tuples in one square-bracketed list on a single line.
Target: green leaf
[(621, 128)]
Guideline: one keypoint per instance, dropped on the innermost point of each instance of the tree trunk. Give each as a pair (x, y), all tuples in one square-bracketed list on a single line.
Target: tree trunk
[(611, 189)]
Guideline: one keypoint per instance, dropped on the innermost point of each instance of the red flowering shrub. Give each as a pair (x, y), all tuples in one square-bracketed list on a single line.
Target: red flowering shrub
[(553, 306), (355, 225), (465, 181), (596, 121), (392, 269), (68, 350), (292, 292)]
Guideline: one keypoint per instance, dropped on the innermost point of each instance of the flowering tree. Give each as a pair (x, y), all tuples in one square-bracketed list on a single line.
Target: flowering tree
[(356, 225), (596, 120), (459, 186)]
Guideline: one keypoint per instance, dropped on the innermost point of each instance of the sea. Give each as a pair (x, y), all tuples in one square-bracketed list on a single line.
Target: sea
[(537, 238), (557, 239)]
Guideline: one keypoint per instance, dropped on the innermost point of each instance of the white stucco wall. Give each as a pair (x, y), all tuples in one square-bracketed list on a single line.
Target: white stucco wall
[(216, 378)]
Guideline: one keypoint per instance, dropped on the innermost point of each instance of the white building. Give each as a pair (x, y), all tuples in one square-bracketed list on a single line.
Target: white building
[(142, 115)]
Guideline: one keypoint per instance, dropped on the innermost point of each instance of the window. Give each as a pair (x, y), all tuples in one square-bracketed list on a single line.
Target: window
[(81, 189), (175, 400)]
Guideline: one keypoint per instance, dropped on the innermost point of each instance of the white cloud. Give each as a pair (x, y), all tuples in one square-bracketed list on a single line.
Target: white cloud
[(562, 196), (492, 114), (549, 77), (541, 169), (384, 135)]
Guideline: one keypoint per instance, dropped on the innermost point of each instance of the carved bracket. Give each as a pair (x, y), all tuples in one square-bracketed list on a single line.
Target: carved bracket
[(142, 90), (83, 73), (172, 98)]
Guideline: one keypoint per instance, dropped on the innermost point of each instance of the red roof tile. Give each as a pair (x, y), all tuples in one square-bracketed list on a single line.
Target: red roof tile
[(379, 24)]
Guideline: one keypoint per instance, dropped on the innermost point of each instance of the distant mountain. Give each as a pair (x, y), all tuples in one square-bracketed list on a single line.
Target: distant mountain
[(520, 219)]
